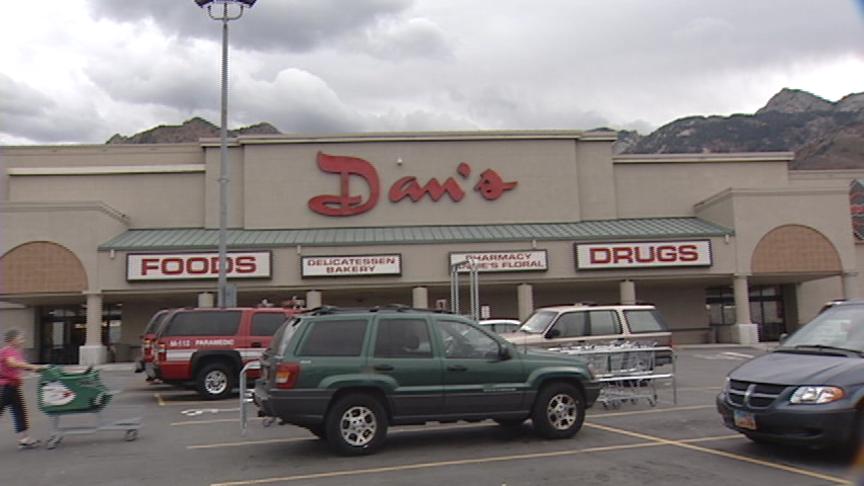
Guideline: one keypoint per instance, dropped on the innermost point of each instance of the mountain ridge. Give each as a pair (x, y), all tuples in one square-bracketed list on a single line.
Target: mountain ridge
[(822, 134)]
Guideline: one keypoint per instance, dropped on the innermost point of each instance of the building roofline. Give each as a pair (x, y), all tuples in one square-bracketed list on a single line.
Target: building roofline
[(589, 136), (704, 158)]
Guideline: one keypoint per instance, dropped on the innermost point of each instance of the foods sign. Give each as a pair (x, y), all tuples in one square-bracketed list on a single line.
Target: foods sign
[(503, 261), (655, 254), (351, 265), (187, 266)]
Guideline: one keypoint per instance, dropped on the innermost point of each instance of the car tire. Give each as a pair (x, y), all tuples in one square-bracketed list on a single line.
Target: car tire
[(356, 424), (558, 412), (215, 381), (510, 423)]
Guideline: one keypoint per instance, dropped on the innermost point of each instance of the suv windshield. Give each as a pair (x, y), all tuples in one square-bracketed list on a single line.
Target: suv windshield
[(837, 327), (538, 322)]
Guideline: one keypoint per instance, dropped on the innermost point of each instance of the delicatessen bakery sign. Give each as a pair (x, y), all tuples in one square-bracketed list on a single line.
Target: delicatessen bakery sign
[(351, 265)]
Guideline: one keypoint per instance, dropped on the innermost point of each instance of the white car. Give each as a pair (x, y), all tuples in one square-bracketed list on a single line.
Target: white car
[(583, 324), (501, 326)]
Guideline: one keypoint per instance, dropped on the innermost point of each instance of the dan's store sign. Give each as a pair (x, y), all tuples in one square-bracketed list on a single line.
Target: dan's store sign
[(196, 266)]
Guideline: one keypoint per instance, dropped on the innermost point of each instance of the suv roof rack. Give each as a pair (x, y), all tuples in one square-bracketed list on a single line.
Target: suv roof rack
[(332, 309)]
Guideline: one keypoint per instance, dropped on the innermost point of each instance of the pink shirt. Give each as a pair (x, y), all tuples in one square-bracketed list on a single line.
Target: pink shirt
[(9, 375)]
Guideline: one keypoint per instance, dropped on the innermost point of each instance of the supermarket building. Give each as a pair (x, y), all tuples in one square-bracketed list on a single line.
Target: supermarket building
[(730, 247)]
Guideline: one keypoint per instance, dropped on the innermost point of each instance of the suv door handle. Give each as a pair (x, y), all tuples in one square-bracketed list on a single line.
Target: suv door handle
[(456, 368), (256, 345), (383, 367)]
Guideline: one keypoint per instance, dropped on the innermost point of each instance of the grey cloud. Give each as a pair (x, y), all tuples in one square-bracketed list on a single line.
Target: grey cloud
[(295, 101), (179, 80), (25, 102), (32, 115), (416, 38), (291, 25)]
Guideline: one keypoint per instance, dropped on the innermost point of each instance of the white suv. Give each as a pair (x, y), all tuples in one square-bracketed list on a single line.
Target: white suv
[(586, 324)]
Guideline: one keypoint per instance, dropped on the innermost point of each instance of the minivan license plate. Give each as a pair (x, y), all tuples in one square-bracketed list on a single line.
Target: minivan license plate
[(745, 420)]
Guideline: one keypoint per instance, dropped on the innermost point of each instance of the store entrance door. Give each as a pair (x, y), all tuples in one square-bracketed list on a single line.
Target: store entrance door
[(62, 330), (767, 309)]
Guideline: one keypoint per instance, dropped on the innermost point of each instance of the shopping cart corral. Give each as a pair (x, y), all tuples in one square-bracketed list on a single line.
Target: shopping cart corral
[(82, 398), (628, 371)]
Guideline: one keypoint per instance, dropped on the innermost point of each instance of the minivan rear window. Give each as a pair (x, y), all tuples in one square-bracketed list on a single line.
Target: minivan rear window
[(203, 323), (645, 321)]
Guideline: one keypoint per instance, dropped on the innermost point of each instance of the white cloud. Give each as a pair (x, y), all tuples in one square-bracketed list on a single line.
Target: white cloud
[(81, 70)]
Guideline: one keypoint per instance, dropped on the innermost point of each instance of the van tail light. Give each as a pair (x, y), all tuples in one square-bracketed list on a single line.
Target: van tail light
[(286, 375)]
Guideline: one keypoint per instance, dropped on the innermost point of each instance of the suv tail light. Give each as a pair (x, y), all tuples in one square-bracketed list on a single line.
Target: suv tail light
[(286, 375), (161, 352)]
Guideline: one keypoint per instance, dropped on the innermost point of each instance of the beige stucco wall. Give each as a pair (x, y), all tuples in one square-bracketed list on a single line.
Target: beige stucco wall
[(562, 176), (286, 177), (669, 185), (757, 211), (148, 200), (80, 228)]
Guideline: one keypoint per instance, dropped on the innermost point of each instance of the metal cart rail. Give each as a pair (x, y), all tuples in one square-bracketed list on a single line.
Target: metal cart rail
[(628, 372)]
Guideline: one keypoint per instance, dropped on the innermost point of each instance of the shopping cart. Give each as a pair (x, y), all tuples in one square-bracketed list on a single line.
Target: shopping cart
[(63, 393), (626, 371)]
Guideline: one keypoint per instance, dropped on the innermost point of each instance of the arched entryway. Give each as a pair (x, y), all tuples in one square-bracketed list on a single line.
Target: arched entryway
[(41, 267), (795, 249), (47, 272), (785, 256)]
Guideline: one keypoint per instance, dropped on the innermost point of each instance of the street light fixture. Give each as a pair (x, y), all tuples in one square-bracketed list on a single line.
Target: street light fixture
[(224, 300)]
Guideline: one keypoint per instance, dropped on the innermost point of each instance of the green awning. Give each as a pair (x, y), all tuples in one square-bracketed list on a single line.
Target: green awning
[(618, 229)]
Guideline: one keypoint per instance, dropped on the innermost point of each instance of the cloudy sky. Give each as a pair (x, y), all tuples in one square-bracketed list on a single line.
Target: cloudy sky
[(79, 71)]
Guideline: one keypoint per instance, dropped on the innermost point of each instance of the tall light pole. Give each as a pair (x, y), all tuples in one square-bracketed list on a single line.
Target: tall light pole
[(224, 16)]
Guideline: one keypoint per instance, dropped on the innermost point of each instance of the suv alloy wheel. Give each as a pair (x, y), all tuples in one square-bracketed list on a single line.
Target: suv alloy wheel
[(215, 381), (356, 424), (558, 411)]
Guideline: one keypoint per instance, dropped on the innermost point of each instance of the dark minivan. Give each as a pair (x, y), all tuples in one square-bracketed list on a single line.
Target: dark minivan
[(808, 391)]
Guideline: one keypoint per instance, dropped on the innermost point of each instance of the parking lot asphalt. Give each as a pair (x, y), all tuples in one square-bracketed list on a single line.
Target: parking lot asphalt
[(185, 441)]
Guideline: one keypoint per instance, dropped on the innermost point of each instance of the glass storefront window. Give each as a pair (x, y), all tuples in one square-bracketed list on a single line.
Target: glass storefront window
[(766, 309), (62, 330)]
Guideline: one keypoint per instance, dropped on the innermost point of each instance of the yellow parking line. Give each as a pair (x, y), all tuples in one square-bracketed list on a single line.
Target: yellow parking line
[(653, 410), (159, 399), (428, 465), (729, 455), (712, 438)]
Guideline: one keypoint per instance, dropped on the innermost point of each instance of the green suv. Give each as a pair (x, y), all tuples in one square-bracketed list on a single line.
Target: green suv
[(347, 374)]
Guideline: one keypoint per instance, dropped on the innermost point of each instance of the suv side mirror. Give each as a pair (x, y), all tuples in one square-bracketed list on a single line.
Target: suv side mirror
[(504, 353), (552, 334)]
